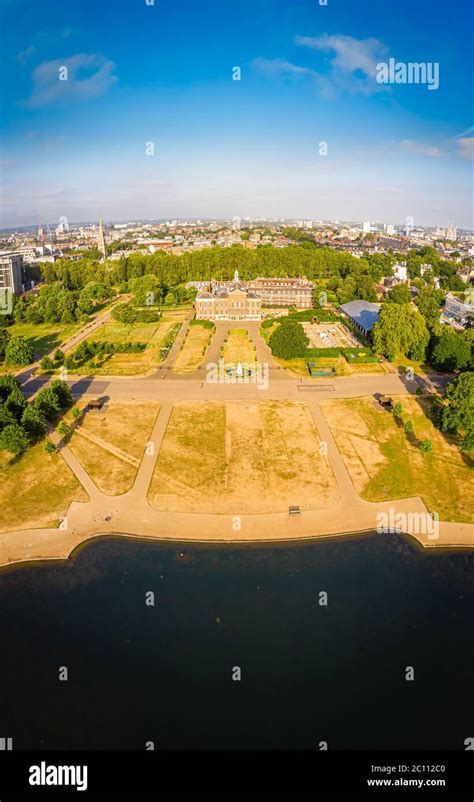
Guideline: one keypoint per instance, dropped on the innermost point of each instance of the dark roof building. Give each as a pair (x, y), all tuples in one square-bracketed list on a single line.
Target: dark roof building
[(363, 314)]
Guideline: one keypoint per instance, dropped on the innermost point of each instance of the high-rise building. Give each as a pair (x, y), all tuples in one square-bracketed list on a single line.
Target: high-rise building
[(366, 227), (101, 240), (11, 272), (389, 229)]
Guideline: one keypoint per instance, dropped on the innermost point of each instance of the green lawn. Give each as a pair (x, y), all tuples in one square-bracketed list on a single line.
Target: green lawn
[(44, 337), (385, 463)]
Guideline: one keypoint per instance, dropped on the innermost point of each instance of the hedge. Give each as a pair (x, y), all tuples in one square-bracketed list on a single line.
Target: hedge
[(329, 352), (307, 315), (350, 354), (206, 324)]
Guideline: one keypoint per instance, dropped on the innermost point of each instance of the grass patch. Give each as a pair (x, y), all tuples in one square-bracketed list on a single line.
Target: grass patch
[(44, 337), (241, 457), (194, 349), (36, 489), (110, 444), (238, 348), (155, 335), (385, 463)]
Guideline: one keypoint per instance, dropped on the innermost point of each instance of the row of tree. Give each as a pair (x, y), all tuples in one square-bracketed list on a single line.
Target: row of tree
[(56, 303), (23, 423)]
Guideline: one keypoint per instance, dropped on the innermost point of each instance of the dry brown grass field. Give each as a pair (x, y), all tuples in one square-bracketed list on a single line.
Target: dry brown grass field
[(385, 463), (36, 489), (241, 457), (194, 349), (110, 444)]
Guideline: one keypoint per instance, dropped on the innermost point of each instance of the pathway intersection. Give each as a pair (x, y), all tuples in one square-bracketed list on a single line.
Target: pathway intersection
[(130, 514)]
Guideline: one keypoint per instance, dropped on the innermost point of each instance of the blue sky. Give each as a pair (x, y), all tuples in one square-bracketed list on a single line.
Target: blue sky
[(163, 73)]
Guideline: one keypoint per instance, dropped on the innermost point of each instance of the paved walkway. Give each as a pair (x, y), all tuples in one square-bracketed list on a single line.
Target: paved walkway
[(131, 515)]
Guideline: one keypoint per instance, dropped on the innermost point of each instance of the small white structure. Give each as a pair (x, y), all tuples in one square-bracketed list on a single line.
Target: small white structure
[(400, 271)]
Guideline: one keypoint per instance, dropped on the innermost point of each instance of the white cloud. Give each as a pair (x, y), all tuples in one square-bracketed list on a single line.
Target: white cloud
[(466, 147), (420, 149), (88, 75), (277, 66), (353, 67), (25, 54)]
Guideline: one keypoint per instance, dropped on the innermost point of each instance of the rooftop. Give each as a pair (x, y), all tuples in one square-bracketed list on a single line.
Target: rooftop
[(362, 312)]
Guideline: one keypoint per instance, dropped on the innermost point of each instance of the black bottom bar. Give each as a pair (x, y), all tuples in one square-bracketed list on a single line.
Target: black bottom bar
[(332, 776)]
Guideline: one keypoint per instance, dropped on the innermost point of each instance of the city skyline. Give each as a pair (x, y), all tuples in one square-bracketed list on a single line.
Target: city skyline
[(140, 74)]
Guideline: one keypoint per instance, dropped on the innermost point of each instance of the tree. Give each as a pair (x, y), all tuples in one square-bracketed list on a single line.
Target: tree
[(400, 294), (400, 329), (428, 302), (15, 402), (48, 403), (408, 427), (458, 416), (6, 415), (59, 355), (289, 341), (19, 352), (14, 439), (452, 351), (33, 421), (62, 392), (49, 447), (4, 340), (426, 446), (47, 363)]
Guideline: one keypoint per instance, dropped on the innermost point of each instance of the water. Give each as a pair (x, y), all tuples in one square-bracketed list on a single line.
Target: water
[(309, 673)]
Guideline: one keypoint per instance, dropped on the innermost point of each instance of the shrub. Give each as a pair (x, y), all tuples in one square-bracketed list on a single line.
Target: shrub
[(398, 410), (49, 447), (206, 324), (58, 356), (47, 363), (426, 446)]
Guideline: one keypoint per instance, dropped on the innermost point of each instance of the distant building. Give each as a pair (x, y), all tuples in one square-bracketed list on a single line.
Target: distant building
[(389, 229), (283, 291), (239, 300), (400, 271), (457, 308), (363, 314), (229, 301), (11, 272), (366, 227), (101, 240), (466, 274)]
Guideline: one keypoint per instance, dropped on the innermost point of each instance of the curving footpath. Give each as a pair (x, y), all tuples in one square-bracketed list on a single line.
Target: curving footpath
[(131, 515)]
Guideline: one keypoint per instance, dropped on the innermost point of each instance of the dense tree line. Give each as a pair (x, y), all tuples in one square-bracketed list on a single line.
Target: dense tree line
[(23, 423), (55, 303)]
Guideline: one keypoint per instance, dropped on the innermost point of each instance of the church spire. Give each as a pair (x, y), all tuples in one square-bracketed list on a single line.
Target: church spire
[(101, 240)]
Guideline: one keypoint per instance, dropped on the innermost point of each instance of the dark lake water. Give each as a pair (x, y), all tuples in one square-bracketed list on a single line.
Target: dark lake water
[(309, 673)]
